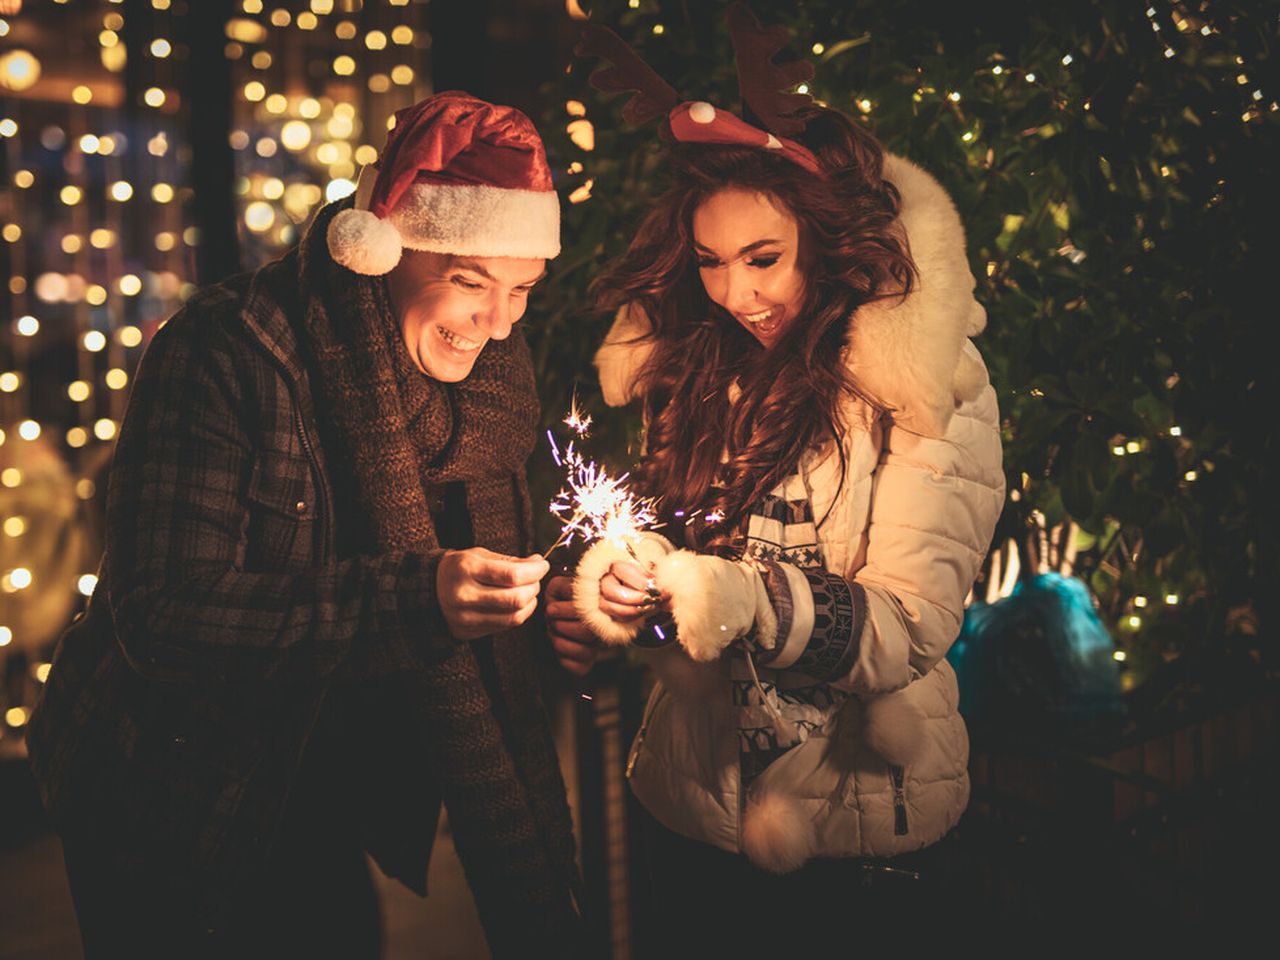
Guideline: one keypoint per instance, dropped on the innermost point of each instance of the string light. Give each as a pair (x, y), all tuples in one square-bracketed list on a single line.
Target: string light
[(15, 526), (104, 429), (6, 636)]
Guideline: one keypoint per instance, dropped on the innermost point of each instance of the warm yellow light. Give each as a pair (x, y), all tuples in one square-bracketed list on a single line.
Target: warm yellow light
[(1135, 621), (160, 4), (18, 285), (8, 127), (583, 134), (104, 429), (344, 66), (265, 147), (165, 241), (23, 179), (102, 238), (295, 135), (16, 716), (273, 188), (321, 7), (4, 28), (365, 154), (6, 636), (29, 430), (28, 325), (1171, 599), (307, 20), (309, 108), (154, 97), (93, 341), (162, 193), (582, 193), (71, 195), (259, 216), (339, 188), (402, 35), (277, 103), (191, 236), (20, 577), (402, 75), (15, 526), (85, 488), (77, 437), (158, 145), (121, 190), (340, 126), (1175, 431), (953, 96), (86, 584), (19, 70), (251, 6), (1119, 656), (129, 335), (78, 390), (89, 143), (574, 168), (261, 60), (280, 18), (254, 91), (344, 109), (160, 47), (12, 233), (9, 382), (1118, 450), (379, 83), (130, 285), (375, 40), (11, 477), (116, 379), (345, 30), (659, 29), (242, 30), (1139, 601), (95, 295)]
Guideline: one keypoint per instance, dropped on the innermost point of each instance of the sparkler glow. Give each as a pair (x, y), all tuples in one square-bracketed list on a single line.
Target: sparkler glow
[(596, 506)]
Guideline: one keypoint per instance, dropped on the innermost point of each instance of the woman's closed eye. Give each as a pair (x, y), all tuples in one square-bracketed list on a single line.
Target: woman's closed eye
[(760, 263), (763, 262)]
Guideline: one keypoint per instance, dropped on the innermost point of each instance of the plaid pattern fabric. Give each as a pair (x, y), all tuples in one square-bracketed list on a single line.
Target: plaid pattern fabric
[(177, 708)]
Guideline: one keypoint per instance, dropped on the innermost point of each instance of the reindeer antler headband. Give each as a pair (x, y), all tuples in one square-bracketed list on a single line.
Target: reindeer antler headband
[(763, 84)]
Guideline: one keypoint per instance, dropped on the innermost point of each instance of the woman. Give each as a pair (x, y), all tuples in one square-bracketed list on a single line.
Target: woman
[(793, 316)]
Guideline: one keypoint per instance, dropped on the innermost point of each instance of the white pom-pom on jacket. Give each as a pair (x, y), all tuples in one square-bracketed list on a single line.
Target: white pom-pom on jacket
[(911, 525)]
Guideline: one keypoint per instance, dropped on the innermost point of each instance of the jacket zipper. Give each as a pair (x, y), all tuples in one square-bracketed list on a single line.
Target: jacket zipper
[(658, 692), (897, 775)]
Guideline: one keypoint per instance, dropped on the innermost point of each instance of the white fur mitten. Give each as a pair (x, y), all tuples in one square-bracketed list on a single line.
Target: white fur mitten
[(649, 548), (714, 601)]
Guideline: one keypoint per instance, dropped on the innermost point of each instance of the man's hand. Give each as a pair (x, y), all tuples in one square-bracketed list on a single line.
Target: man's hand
[(482, 592), (575, 645)]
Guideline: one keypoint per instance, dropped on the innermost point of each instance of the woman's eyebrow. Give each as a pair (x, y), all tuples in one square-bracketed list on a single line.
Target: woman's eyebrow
[(745, 250)]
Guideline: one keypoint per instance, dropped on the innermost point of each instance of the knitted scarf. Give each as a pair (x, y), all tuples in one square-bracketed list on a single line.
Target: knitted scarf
[(479, 713)]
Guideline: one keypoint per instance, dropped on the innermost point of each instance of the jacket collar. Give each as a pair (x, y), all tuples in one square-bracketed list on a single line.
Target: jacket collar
[(907, 354)]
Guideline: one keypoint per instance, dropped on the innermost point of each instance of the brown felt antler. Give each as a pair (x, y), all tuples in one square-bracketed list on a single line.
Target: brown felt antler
[(653, 98), (760, 80)]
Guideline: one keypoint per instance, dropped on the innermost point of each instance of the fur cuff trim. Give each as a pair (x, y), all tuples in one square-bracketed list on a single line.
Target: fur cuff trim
[(649, 549), (776, 835), (713, 600)]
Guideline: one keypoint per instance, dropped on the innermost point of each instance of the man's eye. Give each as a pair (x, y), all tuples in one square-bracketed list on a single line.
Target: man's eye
[(466, 284), (520, 291), (762, 261)]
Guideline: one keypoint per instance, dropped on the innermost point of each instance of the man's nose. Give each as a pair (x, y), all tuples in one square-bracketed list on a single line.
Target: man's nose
[(496, 320)]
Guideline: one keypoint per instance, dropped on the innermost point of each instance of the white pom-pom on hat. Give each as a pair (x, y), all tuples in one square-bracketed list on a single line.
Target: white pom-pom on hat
[(364, 243)]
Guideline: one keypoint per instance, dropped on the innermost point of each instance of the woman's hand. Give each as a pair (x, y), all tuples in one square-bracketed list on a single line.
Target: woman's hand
[(575, 646), (625, 593)]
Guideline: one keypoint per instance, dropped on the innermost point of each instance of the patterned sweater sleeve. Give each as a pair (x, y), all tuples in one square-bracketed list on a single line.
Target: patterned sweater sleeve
[(183, 604), (934, 505)]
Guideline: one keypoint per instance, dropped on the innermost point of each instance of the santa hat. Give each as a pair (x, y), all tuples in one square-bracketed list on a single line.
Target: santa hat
[(457, 175)]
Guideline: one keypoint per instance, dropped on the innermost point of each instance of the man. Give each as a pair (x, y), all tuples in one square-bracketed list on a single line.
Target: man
[(307, 630)]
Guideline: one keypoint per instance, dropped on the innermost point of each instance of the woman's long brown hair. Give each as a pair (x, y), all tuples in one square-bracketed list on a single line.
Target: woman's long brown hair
[(851, 250)]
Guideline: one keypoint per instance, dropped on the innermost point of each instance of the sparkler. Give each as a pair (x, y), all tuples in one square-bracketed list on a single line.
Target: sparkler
[(594, 505)]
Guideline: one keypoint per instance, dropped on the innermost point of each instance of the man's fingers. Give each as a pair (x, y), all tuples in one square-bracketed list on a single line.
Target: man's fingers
[(572, 629), (561, 610), (507, 600), (569, 650), (495, 570), (560, 588)]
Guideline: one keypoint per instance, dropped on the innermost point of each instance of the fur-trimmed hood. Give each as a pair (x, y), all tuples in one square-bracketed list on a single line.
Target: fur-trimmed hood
[(908, 355)]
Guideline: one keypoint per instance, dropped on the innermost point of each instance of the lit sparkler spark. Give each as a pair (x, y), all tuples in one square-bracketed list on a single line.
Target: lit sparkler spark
[(596, 506), (577, 421)]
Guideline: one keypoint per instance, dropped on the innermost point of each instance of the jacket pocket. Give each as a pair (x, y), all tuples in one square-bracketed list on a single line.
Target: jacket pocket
[(659, 691), (280, 533)]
